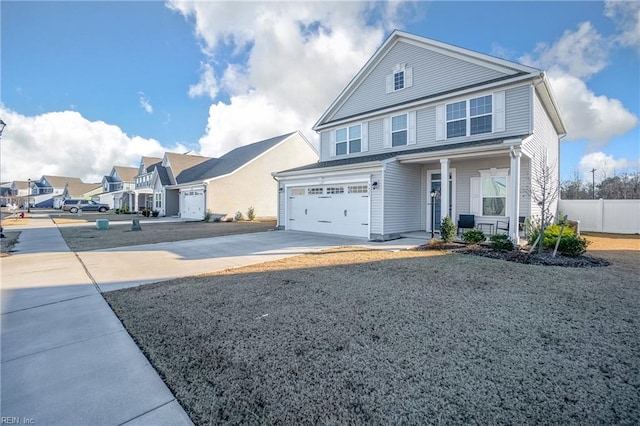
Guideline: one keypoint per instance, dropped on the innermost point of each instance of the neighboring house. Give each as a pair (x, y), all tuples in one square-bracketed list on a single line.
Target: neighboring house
[(240, 179), (75, 190), (118, 188), (165, 199), (47, 188), (417, 112), (143, 187)]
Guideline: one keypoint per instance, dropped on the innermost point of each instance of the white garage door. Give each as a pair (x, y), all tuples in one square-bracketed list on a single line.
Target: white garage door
[(192, 204), (330, 209)]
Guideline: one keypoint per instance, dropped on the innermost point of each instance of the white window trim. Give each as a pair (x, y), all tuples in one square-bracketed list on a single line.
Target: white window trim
[(364, 139), (387, 130), (476, 198), (498, 121), (408, 78)]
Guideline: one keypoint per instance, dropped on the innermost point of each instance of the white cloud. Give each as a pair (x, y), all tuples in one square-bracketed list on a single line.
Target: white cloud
[(207, 86), (626, 15), (581, 53), (605, 166), (291, 61), (144, 103), (595, 118), (570, 61), (67, 144)]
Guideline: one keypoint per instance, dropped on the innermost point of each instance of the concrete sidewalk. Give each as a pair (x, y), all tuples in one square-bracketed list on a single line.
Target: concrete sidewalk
[(66, 358)]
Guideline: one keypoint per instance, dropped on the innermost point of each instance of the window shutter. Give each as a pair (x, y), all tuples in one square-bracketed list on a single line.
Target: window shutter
[(332, 142), (475, 202), (390, 83), (498, 112), (365, 136), (411, 137), (386, 132), (440, 123), (408, 77)]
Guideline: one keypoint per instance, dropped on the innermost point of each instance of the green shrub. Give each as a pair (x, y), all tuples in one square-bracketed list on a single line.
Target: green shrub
[(551, 235), (501, 242), (251, 213), (572, 245), (447, 229), (238, 217), (117, 211), (473, 236)]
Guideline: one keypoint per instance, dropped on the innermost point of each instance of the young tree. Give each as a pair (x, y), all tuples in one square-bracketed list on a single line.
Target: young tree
[(544, 190)]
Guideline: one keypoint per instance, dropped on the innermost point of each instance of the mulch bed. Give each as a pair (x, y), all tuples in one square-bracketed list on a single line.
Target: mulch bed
[(520, 255)]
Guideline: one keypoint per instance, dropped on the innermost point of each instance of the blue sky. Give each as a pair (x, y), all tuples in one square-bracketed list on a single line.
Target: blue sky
[(86, 85)]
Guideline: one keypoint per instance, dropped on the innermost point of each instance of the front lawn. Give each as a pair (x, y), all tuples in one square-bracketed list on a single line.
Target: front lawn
[(365, 337)]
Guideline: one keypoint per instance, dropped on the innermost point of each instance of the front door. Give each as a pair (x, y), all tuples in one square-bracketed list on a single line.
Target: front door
[(435, 207)]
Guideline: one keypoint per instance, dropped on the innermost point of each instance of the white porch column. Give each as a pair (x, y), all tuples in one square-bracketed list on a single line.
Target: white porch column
[(514, 195), (444, 187)]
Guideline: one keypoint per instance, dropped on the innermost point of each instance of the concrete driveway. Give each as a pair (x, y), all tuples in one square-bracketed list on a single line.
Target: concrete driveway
[(67, 359)]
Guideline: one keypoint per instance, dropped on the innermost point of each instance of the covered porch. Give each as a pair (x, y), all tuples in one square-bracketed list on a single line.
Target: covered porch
[(485, 187)]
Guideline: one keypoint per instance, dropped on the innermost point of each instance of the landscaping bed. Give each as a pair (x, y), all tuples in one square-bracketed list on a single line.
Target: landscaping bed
[(372, 337)]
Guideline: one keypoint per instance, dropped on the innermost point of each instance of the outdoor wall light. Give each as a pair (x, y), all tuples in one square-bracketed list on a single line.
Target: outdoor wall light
[(374, 185), (281, 189)]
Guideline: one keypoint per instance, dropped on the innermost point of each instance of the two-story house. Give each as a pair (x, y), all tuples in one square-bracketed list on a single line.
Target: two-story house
[(426, 129), (46, 191), (117, 188), (143, 188)]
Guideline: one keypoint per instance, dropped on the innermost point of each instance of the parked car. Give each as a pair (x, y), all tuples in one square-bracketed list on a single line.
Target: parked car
[(72, 206)]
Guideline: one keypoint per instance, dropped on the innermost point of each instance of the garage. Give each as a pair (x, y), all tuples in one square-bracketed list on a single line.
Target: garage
[(192, 204), (341, 209)]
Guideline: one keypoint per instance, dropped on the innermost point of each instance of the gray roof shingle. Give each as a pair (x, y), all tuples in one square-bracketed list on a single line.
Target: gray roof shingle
[(229, 162), (387, 155)]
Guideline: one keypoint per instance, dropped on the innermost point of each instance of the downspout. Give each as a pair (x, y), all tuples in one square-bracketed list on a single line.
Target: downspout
[(205, 184)]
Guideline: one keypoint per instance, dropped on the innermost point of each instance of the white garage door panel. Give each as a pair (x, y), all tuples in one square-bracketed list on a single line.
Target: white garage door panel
[(333, 209), (192, 205)]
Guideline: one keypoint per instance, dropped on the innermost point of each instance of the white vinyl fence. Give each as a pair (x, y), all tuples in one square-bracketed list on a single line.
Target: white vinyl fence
[(615, 216)]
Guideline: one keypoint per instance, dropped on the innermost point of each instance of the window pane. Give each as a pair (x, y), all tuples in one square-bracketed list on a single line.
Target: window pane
[(493, 206), (479, 106), (456, 128), (481, 124), (354, 132), (399, 122), (341, 148), (457, 110), (399, 138), (341, 135), (494, 187), (398, 80), (354, 146)]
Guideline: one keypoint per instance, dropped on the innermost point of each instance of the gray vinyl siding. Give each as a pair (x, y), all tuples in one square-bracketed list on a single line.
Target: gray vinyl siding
[(544, 139), (375, 225), (432, 73), (518, 110), (517, 119), (402, 187), (282, 203)]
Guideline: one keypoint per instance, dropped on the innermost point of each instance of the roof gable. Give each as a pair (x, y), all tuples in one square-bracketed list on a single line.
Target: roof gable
[(58, 181), (177, 163), (232, 160), (437, 68), (125, 174)]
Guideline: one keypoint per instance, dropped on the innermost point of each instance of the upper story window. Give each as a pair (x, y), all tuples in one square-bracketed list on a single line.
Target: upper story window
[(401, 77), (473, 116), (399, 130), (398, 80), (349, 140)]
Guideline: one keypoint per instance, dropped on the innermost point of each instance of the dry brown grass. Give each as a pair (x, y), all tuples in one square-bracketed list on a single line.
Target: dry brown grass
[(119, 234), (355, 336), (7, 243)]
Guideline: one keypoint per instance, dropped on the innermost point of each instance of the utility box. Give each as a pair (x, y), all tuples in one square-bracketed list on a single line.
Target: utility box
[(102, 224)]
